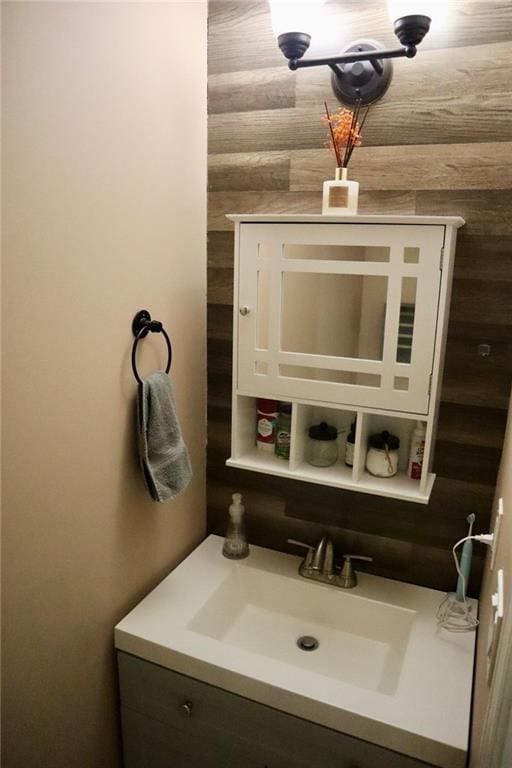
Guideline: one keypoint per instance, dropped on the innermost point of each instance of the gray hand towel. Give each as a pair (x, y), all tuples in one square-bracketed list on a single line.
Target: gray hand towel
[(163, 454)]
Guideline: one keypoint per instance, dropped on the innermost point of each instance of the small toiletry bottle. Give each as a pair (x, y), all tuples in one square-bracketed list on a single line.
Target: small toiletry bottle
[(266, 424), (235, 544), (284, 422), (349, 449), (340, 197), (416, 452)]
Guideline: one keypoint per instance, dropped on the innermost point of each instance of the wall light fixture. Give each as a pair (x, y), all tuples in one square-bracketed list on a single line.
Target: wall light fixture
[(363, 71)]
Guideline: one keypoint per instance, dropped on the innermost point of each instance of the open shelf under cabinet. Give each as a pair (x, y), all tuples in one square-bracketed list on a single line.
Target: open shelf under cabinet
[(246, 455)]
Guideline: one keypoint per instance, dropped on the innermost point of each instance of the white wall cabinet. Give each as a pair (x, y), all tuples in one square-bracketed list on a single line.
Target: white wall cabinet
[(343, 318)]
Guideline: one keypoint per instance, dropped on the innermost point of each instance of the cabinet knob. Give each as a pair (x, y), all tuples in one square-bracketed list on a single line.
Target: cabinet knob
[(244, 311), (186, 709)]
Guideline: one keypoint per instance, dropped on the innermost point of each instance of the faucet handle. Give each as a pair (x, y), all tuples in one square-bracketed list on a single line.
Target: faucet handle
[(308, 560), (300, 544), (347, 577), (359, 557)]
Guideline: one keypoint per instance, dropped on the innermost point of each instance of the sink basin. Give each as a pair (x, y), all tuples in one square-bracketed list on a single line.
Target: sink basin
[(379, 666), (360, 641)]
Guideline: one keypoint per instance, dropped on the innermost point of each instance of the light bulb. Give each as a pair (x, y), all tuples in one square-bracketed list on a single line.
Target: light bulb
[(431, 8), (295, 16)]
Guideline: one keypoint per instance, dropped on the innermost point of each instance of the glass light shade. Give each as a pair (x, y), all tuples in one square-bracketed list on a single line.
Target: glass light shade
[(295, 16)]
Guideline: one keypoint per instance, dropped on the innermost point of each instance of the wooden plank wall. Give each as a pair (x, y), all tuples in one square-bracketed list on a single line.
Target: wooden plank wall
[(440, 142)]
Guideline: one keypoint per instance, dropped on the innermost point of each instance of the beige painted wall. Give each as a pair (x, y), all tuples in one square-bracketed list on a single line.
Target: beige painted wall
[(503, 560), (104, 214)]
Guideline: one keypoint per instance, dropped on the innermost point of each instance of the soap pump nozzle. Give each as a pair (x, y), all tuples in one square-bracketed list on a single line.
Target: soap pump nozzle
[(236, 509)]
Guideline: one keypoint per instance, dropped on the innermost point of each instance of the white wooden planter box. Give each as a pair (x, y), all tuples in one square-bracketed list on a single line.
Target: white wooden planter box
[(342, 317)]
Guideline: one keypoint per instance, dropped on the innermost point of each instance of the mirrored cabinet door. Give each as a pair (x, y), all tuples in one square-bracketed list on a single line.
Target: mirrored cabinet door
[(344, 313)]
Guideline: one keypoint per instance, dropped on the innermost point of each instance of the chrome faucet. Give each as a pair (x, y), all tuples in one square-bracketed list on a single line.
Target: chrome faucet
[(318, 564)]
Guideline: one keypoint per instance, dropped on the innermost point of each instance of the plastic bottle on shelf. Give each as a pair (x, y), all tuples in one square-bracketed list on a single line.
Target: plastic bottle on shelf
[(235, 544), (417, 451), (266, 424), (283, 430)]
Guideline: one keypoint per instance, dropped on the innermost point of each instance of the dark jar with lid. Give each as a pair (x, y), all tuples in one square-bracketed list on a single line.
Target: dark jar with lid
[(321, 446)]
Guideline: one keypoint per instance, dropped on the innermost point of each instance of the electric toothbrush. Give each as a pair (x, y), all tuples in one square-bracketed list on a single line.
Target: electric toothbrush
[(465, 563)]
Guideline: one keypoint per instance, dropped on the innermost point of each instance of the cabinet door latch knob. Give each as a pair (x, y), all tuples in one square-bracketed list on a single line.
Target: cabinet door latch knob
[(186, 709), (244, 311)]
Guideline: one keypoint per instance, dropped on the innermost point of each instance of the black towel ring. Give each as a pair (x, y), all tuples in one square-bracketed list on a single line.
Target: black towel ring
[(142, 324)]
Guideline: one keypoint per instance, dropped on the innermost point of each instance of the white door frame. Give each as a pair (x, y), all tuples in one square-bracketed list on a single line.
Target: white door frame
[(496, 744)]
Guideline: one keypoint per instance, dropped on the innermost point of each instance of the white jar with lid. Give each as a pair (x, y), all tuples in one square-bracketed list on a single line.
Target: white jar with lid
[(382, 456)]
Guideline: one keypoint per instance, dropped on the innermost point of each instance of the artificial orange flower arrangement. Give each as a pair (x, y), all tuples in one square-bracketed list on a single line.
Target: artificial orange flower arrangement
[(345, 132)]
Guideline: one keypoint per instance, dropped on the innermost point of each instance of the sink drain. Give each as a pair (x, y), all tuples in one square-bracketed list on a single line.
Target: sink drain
[(308, 643)]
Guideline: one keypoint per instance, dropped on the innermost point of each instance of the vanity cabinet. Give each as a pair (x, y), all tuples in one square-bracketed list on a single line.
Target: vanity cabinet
[(344, 318), (173, 721)]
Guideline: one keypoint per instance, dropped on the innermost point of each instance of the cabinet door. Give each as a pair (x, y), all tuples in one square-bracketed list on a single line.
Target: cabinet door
[(341, 313), (224, 730)]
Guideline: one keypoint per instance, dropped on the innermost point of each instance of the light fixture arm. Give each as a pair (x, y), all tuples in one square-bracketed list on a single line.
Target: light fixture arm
[(376, 64), (375, 57)]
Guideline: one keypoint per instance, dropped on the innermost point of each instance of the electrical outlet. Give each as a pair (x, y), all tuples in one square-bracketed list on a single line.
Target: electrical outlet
[(498, 601), (496, 532), (493, 635)]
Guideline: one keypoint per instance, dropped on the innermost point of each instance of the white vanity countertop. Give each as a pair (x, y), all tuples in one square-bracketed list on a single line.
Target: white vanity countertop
[(366, 218), (424, 714)]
